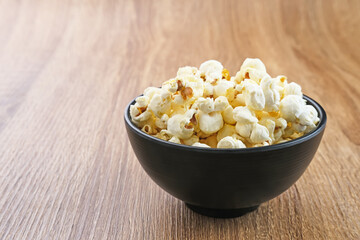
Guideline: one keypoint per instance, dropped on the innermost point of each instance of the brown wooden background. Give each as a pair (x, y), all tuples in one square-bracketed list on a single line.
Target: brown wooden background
[(68, 68)]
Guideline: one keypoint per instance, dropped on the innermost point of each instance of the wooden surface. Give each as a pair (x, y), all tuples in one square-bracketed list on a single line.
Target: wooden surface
[(68, 68)]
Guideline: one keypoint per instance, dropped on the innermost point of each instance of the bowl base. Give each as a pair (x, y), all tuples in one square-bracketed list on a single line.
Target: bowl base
[(221, 213)]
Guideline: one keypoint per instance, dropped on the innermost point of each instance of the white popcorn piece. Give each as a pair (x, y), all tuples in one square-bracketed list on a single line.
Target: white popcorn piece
[(147, 128), (205, 104), (212, 70), (210, 123), (309, 117), (291, 107), (151, 91), (230, 142), (261, 144), (282, 140), (280, 82), (197, 89), (208, 89), (160, 103), (137, 116), (259, 134), (220, 103), (253, 67), (142, 101), (254, 96), (297, 127), (244, 129), (178, 99), (175, 139), (179, 125), (244, 115), (162, 122), (270, 125), (277, 135), (187, 71), (224, 88), (281, 123), (197, 144), (271, 94), (292, 89), (170, 85), (164, 135)]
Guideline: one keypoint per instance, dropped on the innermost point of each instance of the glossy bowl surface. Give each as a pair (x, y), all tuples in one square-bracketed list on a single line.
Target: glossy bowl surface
[(225, 182)]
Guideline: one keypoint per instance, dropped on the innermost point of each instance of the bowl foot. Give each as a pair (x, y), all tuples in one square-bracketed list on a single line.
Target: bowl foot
[(221, 213)]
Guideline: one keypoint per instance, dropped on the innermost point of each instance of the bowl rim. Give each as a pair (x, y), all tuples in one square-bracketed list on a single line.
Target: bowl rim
[(319, 128)]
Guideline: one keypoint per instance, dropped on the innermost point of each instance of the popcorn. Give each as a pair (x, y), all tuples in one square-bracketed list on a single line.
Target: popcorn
[(227, 130), (175, 139), (170, 85), (210, 141), (208, 89), (252, 68), (197, 144), (254, 95), (244, 115), (150, 91), (292, 89), (180, 125), (187, 71), (291, 107), (206, 107), (220, 103), (210, 123), (162, 122), (205, 104), (138, 115), (259, 134), (271, 94), (228, 115), (212, 70), (230, 142), (309, 116), (160, 103), (244, 129), (224, 88), (164, 135), (191, 141)]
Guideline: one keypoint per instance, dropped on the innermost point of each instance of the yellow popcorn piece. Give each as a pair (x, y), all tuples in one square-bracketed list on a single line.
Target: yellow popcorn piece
[(210, 141), (226, 74), (225, 131)]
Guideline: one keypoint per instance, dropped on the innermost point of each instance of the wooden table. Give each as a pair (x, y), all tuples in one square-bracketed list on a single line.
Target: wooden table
[(68, 69)]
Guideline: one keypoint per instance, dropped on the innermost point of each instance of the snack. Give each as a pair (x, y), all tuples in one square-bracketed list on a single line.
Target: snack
[(206, 107)]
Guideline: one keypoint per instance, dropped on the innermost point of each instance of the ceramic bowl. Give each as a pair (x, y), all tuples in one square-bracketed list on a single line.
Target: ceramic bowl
[(225, 182)]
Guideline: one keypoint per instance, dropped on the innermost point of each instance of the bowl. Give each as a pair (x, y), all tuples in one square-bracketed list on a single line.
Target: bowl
[(225, 182)]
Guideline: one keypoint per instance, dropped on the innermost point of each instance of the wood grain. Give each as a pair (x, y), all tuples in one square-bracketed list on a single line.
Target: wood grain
[(68, 69)]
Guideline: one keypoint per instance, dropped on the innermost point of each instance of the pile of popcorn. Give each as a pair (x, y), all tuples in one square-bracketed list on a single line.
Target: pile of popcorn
[(206, 107)]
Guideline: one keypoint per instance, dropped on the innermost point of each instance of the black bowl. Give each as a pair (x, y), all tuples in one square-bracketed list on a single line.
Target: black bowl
[(225, 182)]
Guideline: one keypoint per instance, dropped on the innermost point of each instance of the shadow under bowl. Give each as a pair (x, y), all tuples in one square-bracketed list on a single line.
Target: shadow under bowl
[(225, 182)]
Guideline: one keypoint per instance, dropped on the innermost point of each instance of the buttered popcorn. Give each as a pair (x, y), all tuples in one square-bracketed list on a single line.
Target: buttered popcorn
[(207, 108)]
